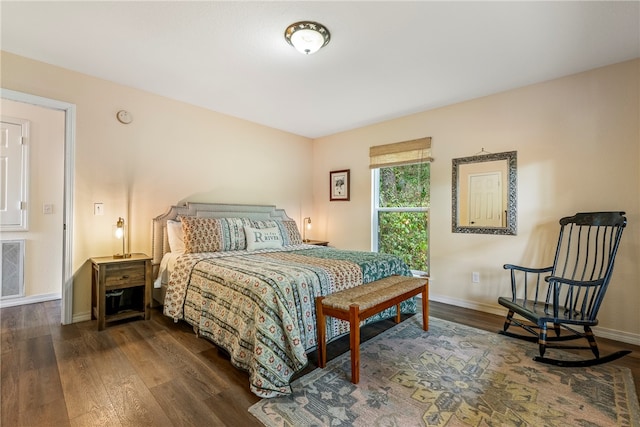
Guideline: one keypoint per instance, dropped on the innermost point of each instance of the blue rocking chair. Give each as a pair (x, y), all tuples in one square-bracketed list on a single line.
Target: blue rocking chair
[(569, 293)]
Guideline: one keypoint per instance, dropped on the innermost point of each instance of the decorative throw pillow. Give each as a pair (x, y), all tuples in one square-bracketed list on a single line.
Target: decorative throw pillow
[(201, 234), (175, 236), (232, 229), (263, 238), (293, 234), (288, 229)]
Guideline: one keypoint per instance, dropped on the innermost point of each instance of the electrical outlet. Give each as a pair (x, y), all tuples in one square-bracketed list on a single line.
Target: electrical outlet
[(475, 277), (47, 208), (98, 208)]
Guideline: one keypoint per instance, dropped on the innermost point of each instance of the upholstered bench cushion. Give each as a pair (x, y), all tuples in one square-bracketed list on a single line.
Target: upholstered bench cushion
[(371, 294)]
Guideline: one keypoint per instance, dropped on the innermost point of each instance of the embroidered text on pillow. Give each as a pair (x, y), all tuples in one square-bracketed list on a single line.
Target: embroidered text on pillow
[(263, 238)]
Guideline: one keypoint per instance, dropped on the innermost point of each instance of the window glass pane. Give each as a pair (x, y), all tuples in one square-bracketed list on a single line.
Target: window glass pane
[(404, 234), (404, 186)]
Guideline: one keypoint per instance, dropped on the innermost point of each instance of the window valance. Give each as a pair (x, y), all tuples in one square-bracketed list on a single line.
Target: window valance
[(400, 153)]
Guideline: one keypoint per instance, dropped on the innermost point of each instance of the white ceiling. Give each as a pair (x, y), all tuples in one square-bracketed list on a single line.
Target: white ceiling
[(385, 59)]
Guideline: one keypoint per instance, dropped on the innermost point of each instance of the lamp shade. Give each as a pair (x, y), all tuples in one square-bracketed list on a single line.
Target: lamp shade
[(307, 36), (119, 233), (306, 225), (120, 236)]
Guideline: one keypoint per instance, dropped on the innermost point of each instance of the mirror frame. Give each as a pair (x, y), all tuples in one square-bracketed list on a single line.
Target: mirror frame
[(512, 181)]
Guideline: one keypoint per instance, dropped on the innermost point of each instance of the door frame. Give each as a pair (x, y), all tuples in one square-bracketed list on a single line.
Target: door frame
[(69, 162)]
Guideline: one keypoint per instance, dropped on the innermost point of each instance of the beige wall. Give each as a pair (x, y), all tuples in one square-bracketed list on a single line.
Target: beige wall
[(578, 149), (43, 240), (578, 144), (172, 152)]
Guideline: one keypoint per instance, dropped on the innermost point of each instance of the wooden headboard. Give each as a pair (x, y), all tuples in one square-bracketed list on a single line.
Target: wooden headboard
[(160, 242)]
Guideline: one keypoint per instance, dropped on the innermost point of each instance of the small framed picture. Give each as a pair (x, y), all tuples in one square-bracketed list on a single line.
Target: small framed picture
[(339, 185)]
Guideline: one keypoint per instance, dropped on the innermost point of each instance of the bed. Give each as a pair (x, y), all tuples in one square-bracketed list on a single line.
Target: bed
[(243, 278)]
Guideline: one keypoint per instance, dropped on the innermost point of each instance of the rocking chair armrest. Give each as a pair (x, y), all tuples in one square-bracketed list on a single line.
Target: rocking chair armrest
[(528, 269), (561, 280), (524, 279)]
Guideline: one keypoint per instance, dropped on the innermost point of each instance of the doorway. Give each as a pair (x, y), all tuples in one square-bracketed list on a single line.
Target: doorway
[(67, 215)]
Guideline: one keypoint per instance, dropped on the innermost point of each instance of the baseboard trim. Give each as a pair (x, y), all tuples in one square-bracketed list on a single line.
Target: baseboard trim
[(599, 331), (473, 305), (13, 302), (616, 335)]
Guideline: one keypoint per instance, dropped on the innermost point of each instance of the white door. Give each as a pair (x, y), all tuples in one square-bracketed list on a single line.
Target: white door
[(13, 174), (485, 200)]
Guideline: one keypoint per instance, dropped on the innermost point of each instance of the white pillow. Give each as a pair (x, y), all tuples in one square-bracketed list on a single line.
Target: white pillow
[(263, 238), (175, 236)]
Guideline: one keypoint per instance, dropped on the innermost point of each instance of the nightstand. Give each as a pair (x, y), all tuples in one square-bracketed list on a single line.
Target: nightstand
[(111, 278), (316, 242)]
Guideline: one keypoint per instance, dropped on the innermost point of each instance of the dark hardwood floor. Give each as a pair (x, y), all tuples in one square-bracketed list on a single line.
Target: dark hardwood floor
[(153, 373)]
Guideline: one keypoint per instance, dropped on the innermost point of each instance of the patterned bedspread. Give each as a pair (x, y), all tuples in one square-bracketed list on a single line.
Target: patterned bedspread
[(260, 306)]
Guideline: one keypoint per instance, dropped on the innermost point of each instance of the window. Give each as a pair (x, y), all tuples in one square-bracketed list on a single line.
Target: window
[(401, 200)]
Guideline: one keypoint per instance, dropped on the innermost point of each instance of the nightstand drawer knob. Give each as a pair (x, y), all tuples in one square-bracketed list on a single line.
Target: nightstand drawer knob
[(126, 276)]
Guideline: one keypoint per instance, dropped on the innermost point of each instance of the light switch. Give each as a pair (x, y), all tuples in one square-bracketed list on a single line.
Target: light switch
[(98, 208), (47, 208)]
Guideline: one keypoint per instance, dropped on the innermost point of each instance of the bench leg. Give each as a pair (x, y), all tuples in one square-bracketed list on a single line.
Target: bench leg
[(425, 307), (398, 319), (354, 342), (321, 333)]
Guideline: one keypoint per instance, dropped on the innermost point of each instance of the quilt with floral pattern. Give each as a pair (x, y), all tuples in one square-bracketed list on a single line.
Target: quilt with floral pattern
[(259, 306)]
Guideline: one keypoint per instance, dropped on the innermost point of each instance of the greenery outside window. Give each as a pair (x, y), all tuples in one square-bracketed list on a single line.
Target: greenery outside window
[(401, 200)]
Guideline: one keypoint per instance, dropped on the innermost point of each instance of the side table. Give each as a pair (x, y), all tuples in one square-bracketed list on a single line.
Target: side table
[(315, 242), (109, 275)]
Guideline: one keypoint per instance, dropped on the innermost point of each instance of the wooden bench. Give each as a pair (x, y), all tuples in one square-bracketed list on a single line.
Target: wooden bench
[(358, 303)]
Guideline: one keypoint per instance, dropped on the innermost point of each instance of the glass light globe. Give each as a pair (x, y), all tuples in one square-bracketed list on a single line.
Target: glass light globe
[(307, 41)]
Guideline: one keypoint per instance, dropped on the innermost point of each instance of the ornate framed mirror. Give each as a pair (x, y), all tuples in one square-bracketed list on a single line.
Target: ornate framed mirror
[(484, 194)]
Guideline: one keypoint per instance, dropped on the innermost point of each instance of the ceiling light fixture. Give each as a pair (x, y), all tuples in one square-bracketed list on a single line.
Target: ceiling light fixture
[(307, 36)]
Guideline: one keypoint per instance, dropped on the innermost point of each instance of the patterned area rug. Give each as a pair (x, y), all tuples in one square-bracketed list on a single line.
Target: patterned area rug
[(454, 375)]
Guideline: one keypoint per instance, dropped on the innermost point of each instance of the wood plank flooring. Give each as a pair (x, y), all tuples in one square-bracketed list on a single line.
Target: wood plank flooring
[(148, 373)]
